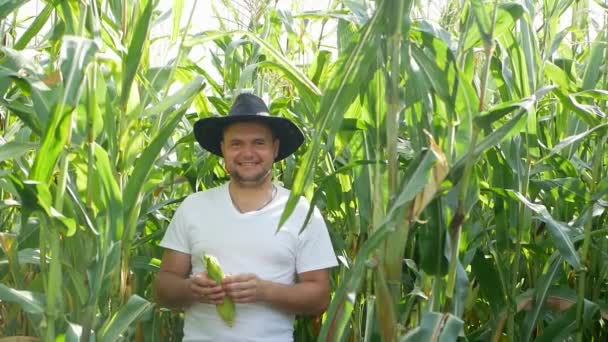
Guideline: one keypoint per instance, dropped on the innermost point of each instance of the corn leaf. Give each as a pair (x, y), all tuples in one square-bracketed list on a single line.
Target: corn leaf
[(436, 327), (8, 6), (341, 92), (559, 231), (135, 52), (14, 150), (32, 302), (130, 313), (39, 22), (508, 14), (132, 194), (541, 291), (76, 54)]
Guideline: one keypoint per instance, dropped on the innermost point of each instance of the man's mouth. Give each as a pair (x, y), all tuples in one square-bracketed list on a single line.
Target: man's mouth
[(248, 163)]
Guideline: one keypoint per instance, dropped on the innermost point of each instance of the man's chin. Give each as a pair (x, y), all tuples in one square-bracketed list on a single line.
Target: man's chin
[(249, 180)]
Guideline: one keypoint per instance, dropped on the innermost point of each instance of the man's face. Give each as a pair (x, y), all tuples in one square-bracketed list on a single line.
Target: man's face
[(249, 150)]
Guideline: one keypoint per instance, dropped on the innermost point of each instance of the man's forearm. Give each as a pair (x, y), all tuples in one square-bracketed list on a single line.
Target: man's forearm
[(307, 298), (173, 290)]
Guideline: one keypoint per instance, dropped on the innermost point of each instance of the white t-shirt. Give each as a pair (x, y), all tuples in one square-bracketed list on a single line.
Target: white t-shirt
[(208, 222)]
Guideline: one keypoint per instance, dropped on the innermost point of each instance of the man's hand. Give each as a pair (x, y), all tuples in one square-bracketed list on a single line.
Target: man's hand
[(244, 288), (206, 290), (308, 296)]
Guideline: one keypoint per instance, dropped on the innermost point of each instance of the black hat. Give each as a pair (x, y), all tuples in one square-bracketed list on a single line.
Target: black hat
[(248, 107)]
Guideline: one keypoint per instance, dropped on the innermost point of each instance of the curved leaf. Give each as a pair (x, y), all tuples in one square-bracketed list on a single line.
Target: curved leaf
[(559, 231), (508, 14), (132, 194), (13, 150), (32, 302), (130, 313)]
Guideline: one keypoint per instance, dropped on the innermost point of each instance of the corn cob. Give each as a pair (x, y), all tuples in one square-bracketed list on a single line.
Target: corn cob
[(227, 309)]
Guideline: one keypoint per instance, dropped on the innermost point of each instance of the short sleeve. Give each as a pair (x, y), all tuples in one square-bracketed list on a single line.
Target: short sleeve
[(176, 236), (315, 250)]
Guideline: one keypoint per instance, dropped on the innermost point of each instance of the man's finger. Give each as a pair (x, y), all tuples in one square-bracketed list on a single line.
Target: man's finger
[(216, 296), (241, 292), (243, 298), (237, 278), (203, 280)]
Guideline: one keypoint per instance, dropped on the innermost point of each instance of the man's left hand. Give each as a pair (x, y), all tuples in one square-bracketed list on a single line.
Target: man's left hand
[(244, 288)]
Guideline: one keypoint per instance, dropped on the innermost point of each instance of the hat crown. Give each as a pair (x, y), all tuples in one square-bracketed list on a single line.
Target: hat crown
[(248, 104)]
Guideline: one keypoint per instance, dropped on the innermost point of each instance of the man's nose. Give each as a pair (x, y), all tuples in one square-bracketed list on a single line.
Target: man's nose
[(247, 150)]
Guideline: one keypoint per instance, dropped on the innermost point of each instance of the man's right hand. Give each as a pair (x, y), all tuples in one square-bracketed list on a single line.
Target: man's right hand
[(206, 290)]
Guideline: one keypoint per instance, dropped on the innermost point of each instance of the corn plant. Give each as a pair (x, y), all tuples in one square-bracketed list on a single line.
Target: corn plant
[(460, 163), (87, 126)]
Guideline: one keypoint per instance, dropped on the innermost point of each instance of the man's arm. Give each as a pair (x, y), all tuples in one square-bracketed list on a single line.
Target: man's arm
[(309, 296), (175, 289)]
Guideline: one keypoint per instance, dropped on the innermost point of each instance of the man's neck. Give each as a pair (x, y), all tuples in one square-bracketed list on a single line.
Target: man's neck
[(251, 198)]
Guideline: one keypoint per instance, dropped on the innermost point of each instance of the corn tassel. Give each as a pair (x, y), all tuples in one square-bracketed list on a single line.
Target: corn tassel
[(227, 309)]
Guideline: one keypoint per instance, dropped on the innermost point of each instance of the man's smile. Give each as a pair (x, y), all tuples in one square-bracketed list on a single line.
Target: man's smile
[(247, 163)]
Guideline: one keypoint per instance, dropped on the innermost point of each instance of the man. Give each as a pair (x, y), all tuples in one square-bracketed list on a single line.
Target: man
[(271, 275)]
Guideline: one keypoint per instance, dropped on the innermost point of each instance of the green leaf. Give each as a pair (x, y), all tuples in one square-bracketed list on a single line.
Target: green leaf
[(508, 13), (435, 327), (302, 82), (76, 54), (419, 178), (484, 270), (423, 29), (8, 6), (482, 19), (14, 150), (111, 191), (341, 306), (25, 113), (130, 313), (54, 139), (555, 44), (184, 94), (437, 77), (178, 9), (586, 112), (558, 230), (486, 119), (35, 27), (136, 48), (562, 327), (495, 137), (32, 302), (205, 37), (74, 333), (319, 66), (357, 66), (285, 64), (568, 141), (559, 77), (595, 62), (132, 194), (541, 291)]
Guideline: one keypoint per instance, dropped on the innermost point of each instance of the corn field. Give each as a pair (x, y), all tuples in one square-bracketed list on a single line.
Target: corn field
[(460, 162)]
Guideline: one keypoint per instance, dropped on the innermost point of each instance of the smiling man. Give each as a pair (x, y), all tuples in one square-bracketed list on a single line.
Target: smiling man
[(271, 275)]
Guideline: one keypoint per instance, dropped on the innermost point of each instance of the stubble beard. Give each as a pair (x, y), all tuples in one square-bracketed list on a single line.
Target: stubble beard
[(250, 181)]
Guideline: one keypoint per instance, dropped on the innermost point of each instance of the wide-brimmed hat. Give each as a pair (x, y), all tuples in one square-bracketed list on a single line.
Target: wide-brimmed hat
[(248, 107)]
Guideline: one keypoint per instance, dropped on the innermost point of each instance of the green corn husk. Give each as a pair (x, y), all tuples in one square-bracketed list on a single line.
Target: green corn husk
[(227, 309)]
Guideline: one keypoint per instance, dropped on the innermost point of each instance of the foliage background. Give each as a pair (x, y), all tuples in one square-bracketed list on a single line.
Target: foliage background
[(460, 161)]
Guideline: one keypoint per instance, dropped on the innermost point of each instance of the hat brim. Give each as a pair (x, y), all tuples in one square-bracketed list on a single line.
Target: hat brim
[(209, 132)]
